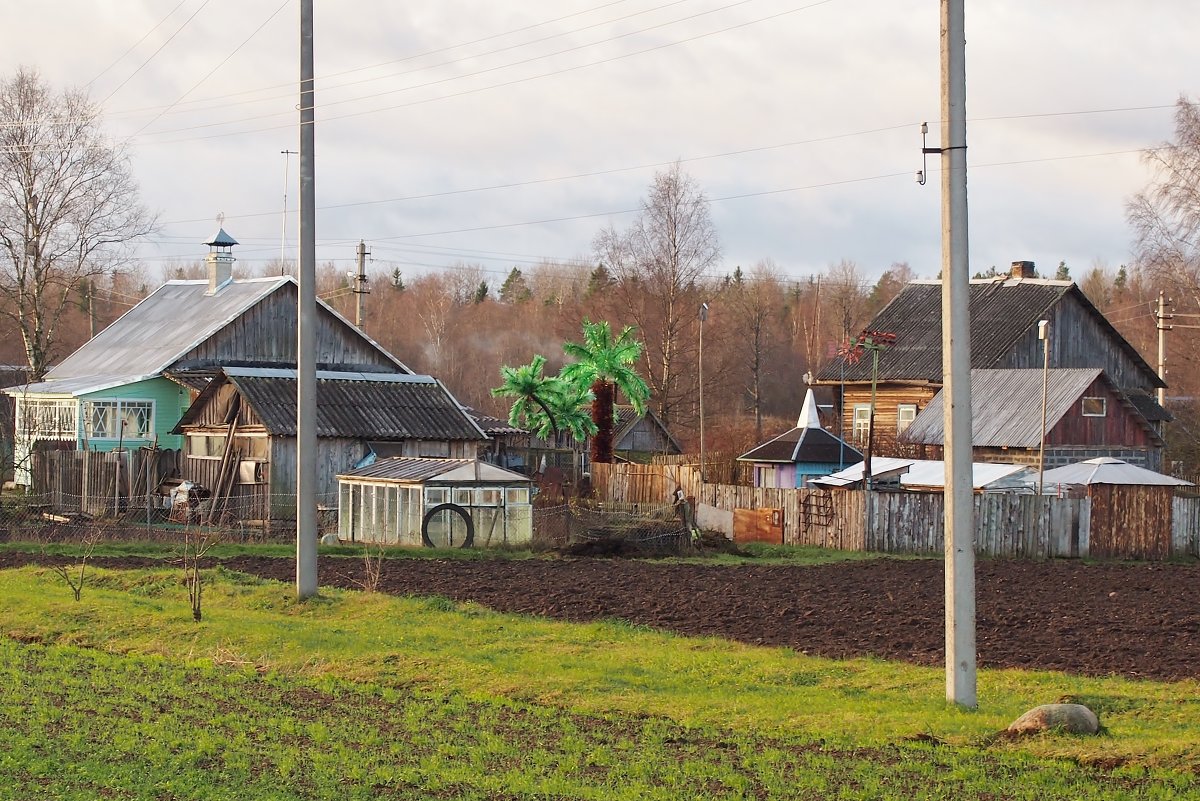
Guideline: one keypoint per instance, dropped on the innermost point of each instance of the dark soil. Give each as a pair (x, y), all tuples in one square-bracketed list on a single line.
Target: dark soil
[(1141, 621)]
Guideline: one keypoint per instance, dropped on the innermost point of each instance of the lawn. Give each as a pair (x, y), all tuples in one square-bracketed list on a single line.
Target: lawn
[(360, 695)]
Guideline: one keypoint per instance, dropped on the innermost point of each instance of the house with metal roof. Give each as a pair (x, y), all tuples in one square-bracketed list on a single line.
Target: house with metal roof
[(1087, 416), (801, 454), (129, 385), (1005, 313), (454, 503), (240, 434)]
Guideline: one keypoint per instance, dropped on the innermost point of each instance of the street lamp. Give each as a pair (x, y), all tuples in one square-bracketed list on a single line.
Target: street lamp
[(1044, 335), (703, 317)]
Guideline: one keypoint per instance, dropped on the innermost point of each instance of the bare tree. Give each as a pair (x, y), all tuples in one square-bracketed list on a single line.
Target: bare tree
[(658, 263), (756, 304), (68, 207)]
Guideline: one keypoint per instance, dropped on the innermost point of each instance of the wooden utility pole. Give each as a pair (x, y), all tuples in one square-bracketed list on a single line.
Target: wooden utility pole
[(956, 365), (360, 284)]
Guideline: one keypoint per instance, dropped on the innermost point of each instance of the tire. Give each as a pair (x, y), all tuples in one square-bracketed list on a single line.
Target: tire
[(453, 507)]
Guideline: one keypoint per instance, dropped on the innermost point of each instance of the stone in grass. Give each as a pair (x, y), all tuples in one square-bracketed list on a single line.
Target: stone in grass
[(1071, 718)]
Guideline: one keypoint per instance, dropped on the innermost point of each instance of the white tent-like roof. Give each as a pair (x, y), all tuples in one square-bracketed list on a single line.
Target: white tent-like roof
[(928, 474), (1107, 470)]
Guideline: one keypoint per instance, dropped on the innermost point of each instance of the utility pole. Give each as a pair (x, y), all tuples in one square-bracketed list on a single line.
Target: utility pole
[(306, 316), (703, 318), (360, 284), (1044, 335), (956, 365), (91, 303), (287, 156), (1160, 322)]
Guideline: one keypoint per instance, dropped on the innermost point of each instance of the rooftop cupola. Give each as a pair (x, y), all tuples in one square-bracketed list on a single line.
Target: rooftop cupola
[(219, 261)]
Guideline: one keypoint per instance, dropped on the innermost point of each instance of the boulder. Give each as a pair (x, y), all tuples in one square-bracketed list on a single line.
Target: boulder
[(1071, 718), (330, 539)]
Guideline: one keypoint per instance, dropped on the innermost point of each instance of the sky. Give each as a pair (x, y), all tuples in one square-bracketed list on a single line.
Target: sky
[(505, 134)]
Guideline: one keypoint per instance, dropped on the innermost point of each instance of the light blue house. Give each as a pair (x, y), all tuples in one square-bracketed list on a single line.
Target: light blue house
[(805, 452)]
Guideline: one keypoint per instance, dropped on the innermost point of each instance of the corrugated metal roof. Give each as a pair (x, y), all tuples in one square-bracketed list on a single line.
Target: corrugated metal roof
[(80, 385), (408, 469), (367, 405), (1006, 407), (927, 473), (1002, 311), (165, 325)]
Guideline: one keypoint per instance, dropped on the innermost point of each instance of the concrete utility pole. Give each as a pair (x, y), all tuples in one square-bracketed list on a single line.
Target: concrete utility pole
[(703, 319), (360, 284), (287, 155), (1044, 335), (956, 365), (306, 339), (1160, 321)]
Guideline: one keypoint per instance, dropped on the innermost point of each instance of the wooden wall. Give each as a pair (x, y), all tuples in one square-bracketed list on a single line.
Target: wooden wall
[(888, 398), (1120, 424), (1135, 523)]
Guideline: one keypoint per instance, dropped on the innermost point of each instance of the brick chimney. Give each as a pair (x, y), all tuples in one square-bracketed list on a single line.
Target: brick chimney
[(1022, 269), (219, 261)]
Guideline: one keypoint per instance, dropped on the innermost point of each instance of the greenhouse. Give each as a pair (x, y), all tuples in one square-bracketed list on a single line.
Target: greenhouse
[(438, 503)]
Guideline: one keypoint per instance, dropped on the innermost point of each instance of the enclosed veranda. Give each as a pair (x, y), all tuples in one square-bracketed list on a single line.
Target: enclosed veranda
[(438, 503)]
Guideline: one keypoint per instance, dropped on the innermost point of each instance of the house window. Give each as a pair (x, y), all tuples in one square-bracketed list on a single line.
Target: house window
[(905, 414), (118, 419), (206, 446), (1095, 407), (862, 420), (51, 419)]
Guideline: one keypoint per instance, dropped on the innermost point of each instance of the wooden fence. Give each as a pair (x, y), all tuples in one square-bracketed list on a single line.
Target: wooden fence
[(1115, 522), (97, 483)]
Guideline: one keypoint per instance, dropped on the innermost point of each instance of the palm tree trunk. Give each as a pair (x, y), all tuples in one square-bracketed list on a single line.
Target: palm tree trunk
[(602, 416)]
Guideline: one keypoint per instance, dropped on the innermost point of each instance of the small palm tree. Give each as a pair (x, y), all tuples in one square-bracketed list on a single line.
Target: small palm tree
[(606, 364), (536, 397)]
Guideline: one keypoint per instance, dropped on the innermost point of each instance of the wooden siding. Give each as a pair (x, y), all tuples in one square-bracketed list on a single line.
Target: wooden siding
[(170, 401), (1077, 339), (888, 398), (266, 334), (645, 437), (1121, 425), (1136, 522)]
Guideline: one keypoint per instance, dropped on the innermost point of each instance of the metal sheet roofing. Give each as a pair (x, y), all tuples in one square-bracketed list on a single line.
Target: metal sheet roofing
[(1002, 311), (1107, 470), (162, 327), (408, 469), (1006, 407), (928, 473), (804, 445), (365, 405), (80, 385)]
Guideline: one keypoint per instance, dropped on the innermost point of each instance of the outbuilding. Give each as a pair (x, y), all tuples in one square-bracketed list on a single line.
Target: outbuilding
[(444, 503)]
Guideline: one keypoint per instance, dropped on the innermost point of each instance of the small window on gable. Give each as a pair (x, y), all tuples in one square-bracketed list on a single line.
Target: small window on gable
[(1095, 407)]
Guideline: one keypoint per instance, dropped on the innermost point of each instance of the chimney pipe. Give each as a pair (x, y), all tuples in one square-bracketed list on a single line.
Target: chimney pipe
[(1022, 269), (219, 261)]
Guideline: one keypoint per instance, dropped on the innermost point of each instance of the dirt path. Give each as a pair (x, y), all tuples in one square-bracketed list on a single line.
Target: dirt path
[(1140, 621)]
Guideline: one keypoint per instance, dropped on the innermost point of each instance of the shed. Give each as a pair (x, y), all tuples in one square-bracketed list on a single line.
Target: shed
[(445, 503), (797, 456)]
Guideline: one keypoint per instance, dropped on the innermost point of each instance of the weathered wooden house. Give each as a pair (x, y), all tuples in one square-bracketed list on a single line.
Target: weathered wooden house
[(1005, 313), (801, 454), (1087, 416), (240, 434), (129, 385)]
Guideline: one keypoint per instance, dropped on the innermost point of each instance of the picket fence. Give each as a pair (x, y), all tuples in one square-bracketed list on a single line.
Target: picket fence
[(1112, 522)]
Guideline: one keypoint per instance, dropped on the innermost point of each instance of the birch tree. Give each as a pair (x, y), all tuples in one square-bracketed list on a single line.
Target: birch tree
[(69, 208)]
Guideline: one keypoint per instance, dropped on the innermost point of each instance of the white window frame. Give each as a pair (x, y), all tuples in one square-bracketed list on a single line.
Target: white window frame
[(1103, 406), (905, 414), (48, 418), (860, 427), (118, 406)]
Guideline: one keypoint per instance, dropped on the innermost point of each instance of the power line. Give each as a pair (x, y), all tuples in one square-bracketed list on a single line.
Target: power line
[(134, 46), (156, 52)]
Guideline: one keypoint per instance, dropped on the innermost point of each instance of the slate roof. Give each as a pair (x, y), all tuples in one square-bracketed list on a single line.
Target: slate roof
[(374, 406), (412, 470), (165, 325), (1006, 407), (1002, 311)]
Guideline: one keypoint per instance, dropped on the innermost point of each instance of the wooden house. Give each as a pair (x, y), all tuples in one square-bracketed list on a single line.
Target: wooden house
[(1005, 313), (795, 457), (129, 385), (240, 434), (1087, 416)]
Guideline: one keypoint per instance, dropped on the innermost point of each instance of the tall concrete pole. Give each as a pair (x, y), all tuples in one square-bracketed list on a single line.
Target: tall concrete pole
[(360, 284), (956, 364), (703, 318), (1160, 319), (306, 340)]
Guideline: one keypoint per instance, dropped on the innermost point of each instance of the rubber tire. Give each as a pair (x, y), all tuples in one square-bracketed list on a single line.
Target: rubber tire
[(454, 507)]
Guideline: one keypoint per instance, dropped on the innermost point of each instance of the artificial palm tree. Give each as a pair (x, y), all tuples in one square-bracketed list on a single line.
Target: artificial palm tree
[(605, 364), (545, 405)]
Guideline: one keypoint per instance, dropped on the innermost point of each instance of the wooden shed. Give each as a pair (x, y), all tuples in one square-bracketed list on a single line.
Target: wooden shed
[(240, 434), (446, 503)]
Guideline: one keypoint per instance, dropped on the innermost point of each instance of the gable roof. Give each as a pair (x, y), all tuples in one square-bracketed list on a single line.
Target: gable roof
[(627, 417), (380, 406), (1002, 311), (415, 469), (1006, 407), (169, 322)]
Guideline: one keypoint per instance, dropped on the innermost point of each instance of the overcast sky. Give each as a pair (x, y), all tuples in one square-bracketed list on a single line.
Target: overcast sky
[(503, 133)]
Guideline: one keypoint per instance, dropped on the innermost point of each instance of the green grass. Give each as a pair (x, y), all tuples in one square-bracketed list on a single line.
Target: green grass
[(356, 695)]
